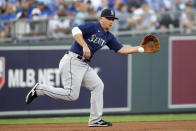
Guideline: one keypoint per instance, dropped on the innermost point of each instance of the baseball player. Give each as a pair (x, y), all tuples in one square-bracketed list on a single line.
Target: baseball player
[(75, 70)]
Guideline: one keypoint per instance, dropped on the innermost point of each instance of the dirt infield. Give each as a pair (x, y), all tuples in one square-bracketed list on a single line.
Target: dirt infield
[(126, 126)]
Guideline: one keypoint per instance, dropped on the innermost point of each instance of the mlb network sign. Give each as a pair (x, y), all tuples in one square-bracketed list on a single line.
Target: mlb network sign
[(20, 78), (22, 68), (22, 72)]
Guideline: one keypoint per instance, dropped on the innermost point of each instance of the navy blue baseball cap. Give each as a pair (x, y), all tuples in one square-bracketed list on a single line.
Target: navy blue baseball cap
[(108, 13)]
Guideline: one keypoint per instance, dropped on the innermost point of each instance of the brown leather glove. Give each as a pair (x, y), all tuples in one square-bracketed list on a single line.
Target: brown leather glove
[(150, 43)]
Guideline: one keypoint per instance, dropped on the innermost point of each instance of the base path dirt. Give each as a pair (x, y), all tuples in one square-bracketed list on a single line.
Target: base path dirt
[(123, 126)]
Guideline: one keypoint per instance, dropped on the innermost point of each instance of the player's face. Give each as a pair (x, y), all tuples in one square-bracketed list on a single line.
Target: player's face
[(106, 23)]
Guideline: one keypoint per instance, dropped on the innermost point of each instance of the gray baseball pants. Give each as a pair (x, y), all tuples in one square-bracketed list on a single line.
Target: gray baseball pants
[(74, 73)]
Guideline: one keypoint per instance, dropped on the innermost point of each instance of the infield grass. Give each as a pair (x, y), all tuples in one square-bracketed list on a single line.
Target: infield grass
[(115, 118)]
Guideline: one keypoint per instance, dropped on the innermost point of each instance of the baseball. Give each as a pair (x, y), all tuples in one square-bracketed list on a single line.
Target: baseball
[(141, 49)]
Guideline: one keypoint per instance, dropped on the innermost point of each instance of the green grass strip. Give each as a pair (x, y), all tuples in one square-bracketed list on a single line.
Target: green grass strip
[(115, 118), (161, 117)]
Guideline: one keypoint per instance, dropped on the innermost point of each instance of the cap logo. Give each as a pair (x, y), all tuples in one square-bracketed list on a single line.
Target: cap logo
[(112, 12)]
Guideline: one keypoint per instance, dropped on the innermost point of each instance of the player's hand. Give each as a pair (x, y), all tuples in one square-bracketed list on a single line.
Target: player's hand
[(86, 52)]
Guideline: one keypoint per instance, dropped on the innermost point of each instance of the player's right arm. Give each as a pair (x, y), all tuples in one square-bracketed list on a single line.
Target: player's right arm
[(78, 36)]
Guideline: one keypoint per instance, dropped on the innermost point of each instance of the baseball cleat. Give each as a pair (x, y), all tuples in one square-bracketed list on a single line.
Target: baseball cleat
[(100, 123), (31, 95)]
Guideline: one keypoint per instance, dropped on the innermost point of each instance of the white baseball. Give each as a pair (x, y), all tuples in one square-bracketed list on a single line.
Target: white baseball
[(141, 49)]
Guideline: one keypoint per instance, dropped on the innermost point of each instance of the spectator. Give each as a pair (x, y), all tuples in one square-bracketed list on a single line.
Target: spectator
[(24, 11), (165, 20), (122, 17), (131, 8), (188, 17), (75, 7), (36, 14), (178, 5), (91, 12), (2, 6), (53, 4), (63, 5), (31, 3), (12, 1), (4, 31), (168, 4), (134, 4), (113, 4), (38, 26), (8, 16), (91, 15), (104, 5), (194, 3), (45, 11), (144, 18), (22, 26), (81, 15), (9, 13), (88, 4), (96, 4), (59, 26), (156, 5), (170, 17)]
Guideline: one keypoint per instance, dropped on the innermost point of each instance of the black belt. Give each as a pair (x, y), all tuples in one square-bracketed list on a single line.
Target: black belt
[(80, 57)]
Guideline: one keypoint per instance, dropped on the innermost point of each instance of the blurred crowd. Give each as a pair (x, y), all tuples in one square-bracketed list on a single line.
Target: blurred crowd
[(62, 15)]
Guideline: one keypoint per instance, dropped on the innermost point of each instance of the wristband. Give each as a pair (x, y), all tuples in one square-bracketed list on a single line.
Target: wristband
[(76, 31)]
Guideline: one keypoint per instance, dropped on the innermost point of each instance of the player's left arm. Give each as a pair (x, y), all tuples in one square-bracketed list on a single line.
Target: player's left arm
[(115, 45), (149, 44), (129, 50)]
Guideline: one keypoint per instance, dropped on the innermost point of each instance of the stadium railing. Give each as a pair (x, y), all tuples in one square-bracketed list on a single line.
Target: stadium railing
[(38, 30)]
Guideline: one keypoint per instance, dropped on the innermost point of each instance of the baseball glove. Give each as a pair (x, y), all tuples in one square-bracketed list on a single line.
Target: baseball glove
[(150, 43)]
